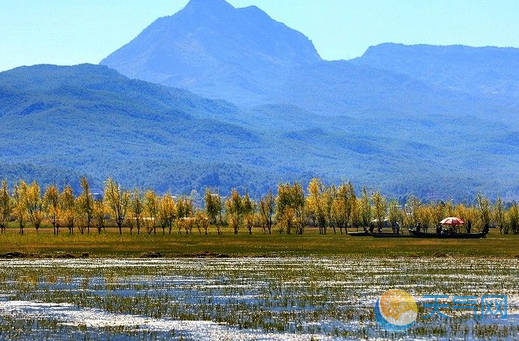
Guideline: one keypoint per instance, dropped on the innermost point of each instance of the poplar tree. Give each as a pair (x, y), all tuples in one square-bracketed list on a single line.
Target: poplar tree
[(117, 200), (86, 203), (317, 204), (137, 210), (51, 204), (167, 212), (6, 206), (290, 207), (267, 210), (513, 219), (249, 212), (412, 215), (34, 205), (20, 204), (483, 205), (201, 222), (350, 204), (67, 203), (499, 214), (151, 208), (298, 200), (344, 206), (284, 208), (99, 215), (184, 213), (234, 208), (395, 214), (379, 208), (365, 207), (338, 216), (213, 208)]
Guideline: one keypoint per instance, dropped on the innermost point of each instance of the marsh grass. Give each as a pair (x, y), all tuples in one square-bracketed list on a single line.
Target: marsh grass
[(325, 297)]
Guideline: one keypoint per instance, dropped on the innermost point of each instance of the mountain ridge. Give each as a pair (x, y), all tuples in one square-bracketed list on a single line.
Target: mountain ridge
[(482, 71), (93, 121), (202, 59)]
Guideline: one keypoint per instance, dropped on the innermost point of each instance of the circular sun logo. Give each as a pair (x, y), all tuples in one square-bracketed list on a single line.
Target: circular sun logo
[(396, 311)]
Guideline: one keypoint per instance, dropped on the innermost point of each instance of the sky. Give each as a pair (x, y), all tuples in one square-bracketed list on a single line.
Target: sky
[(67, 32)]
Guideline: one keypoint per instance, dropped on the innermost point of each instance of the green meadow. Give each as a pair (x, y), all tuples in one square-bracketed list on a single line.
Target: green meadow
[(110, 244)]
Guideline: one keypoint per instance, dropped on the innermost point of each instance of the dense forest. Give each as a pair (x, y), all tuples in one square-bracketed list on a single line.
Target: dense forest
[(290, 209)]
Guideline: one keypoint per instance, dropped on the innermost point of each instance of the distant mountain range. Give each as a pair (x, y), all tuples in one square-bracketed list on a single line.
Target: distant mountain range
[(430, 120), (245, 57), (484, 71)]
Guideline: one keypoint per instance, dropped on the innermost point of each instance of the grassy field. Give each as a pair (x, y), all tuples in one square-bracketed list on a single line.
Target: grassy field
[(111, 244)]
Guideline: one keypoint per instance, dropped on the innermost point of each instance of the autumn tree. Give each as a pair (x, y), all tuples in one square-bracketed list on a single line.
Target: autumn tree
[(267, 210), (412, 207), (512, 219), (86, 204), (499, 214), (234, 208), (213, 208), (117, 201), (185, 207), (285, 212), (67, 205), (379, 208), (291, 207), (438, 211), (365, 207), (249, 212), (20, 204), (137, 210), (298, 201), (6, 206), (330, 195), (151, 209), (344, 204), (201, 222), (317, 204), (338, 211), (184, 213), (395, 213), (34, 205), (51, 204), (99, 215), (167, 212), (350, 203), (484, 209)]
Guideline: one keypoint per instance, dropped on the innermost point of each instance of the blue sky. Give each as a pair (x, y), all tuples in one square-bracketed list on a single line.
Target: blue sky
[(85, 31)]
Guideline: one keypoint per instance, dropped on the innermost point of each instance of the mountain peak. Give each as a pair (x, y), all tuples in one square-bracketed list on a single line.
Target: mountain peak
[(210, 42), (208, 5)]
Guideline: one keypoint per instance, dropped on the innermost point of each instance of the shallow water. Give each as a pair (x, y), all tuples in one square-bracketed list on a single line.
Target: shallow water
[(244, 299)]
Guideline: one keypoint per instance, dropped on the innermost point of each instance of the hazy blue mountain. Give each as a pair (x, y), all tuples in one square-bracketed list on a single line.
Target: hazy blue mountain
[(245, 57), (90, 119), (488, 71), (57, 123), (215, 50)]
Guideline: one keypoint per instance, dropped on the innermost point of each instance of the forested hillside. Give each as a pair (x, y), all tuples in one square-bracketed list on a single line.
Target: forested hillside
[(57, 123)]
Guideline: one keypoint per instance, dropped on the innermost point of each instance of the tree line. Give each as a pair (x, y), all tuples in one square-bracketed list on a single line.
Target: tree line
[(293, 208)]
